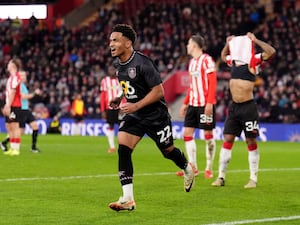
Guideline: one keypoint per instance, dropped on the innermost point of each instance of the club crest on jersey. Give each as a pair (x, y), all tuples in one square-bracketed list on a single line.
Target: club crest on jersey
[(132, 72)]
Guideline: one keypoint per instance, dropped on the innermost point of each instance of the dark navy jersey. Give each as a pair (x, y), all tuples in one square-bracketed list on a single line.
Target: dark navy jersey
[(137, 76), (242, 72)]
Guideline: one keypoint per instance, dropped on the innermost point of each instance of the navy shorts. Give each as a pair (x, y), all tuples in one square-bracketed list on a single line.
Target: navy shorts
[(78, 118), (157, 126), (196, 118), (26, 117), (242, 117), (14, 116)]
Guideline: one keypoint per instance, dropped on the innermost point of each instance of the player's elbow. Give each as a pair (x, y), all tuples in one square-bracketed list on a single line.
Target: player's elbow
[(273, 52), (159, 91), (270, 53)]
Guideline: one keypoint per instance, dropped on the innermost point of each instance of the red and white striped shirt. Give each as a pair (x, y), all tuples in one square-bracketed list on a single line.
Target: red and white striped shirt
[(110, 89), (242, 51), (14, 82), (200, 69)]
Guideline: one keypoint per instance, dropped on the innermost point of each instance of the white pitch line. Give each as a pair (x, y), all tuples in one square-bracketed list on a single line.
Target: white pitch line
[(265, 170), (137, 174), (258, 220)]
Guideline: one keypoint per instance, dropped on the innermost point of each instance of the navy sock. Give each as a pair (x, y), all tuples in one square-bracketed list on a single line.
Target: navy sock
[(177, 157), (125, 165), (34, 138), (5, 141)]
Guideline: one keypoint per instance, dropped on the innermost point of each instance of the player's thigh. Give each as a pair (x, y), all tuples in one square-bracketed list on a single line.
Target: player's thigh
[(161, 133), (34, 125), (22, 120), (250, 119), (15, 131), (188, 131), (127, 139), (31, 121), (232, 126), (195, 117), (191, 118), (130, 131)]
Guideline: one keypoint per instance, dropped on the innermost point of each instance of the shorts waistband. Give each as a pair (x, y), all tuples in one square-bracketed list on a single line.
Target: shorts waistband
[(243, 103)]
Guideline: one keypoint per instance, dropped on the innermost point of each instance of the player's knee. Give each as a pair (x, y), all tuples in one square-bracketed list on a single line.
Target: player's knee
[(251, 144), (34, 126), (229, 138), (251, 141), (166, 151)]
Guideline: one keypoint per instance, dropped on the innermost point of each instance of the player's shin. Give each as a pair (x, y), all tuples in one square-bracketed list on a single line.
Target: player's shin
[(34, 138), (111, 138), (177, 157), (191, 150), (253, 158), (126, 171), (225, 156), (210, 150)]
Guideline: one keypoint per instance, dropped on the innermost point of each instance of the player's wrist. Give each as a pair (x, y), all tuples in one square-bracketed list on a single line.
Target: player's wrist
[(121, 96)]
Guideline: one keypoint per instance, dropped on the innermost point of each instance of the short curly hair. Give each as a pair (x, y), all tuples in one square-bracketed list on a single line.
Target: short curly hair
[(126, 30)]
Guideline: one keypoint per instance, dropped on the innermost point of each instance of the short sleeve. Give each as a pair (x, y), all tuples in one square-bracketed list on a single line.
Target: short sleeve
[(151, 74)]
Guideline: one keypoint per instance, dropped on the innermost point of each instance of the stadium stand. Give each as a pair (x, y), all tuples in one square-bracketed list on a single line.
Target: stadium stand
[(62, 60)]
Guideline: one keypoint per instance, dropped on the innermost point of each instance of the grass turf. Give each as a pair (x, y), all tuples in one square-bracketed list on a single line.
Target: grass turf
[(74, 179)]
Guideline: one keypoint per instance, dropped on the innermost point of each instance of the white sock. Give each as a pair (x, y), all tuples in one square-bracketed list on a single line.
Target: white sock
[(225, 156), (111, 138), (191, 151), (17, 147), (253, 159), (210, 150), (13, 145), (128, 191)]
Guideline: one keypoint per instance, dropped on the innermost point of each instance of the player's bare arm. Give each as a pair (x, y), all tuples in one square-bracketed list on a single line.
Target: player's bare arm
[(225, 50), (7, 107), (182, 110), (268, 50), (31, 95), (208, 109)]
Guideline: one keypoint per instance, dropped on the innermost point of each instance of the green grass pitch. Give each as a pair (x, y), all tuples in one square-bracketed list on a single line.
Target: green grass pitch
[(74, 179)]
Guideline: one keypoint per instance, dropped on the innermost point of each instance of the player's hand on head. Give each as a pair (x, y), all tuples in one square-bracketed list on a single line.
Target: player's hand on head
[(229, 38), (251, 36)]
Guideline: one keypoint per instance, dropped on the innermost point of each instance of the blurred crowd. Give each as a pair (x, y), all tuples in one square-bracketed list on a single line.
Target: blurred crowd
[(63, 62)]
